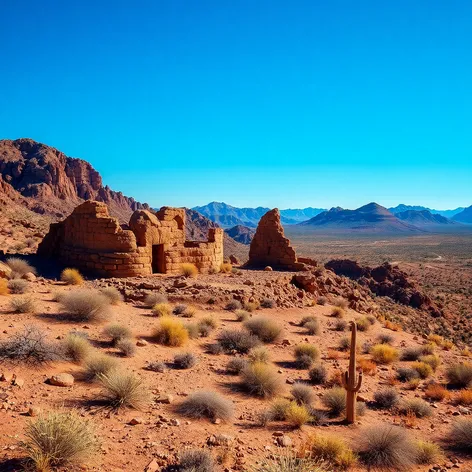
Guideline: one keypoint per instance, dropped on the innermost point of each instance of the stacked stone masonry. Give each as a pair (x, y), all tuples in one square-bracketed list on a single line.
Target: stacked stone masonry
[(152, 242)]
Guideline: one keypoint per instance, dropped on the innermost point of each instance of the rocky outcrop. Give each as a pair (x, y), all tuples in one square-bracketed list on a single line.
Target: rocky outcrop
[(270, 247), (241, 234), (385, 281), (53, 183)]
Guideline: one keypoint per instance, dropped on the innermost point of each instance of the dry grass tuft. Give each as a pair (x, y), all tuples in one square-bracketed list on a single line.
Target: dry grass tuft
[(196, 460), (206, 404), (305, 355), (186, 360), (464, 397), (226, 268), (386, 398), (72, 277), (239, 341), (459, 375), (297, 415), (154, 298), (337, 312), (460, 435), (59, 439), (416, 407), (259, 354), (170, 332), (385, 447), (436, 392), (242, 315), (99, 364), (318, 374), (331, 450), (23, 304), (19, 267), (367, 366), (162, 309), (302, 394), (188, 270), (427, 453), (236, 365), (384, 354), (117, 332), (18, 286), (122, 389), (264, 328), (261, 380), (112, 294), (127, 347), (334, 400), (76, 348), (424, 370), (85, 305)]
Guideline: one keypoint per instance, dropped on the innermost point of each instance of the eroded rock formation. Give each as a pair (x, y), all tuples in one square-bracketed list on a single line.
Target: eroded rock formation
[(270, 247)]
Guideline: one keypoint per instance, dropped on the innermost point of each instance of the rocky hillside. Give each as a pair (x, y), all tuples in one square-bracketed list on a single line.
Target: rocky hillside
[(423, 218), (465, 216), (241, 234), (52, 183)]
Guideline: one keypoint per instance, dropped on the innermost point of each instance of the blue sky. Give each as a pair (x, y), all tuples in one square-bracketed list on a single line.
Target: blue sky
[(271, 103)]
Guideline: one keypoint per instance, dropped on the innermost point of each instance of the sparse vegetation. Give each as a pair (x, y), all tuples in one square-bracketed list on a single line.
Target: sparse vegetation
[(318, 374), (127, 347), (259, 354), (268, 303), (239, 341), (99, 364), (23, 304), (188, 270), (242, 315), (261, 380), (305, 355), (385, 447), (334, 400), (196, 460), (405, 374), (411, 354), (302, 394), (236, 365), (344, 343), (459, 375), (117, 332), (265, 329), (312, 327), (416, 407), (85, 305), (297, 414), (59, 439), (19, 267), (72, 277), (185, 360), (424, 370), (363, 324), (122, 389), (331, 450), (233, 305), (112, 294), (76, 348), (337, 312), (206, 404), (460, 435), (154, 298), (170, 332), (384, 354), (436, 392), (340, 325), (162, 309), (386, 398), (18, 286), (427, 452), (226, 268)]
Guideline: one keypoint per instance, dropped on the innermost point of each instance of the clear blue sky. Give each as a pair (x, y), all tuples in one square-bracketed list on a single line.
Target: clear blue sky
[(272, 103)]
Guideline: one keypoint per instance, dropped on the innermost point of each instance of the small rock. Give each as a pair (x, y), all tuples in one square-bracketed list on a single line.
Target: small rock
[(33, 411), (216, 421), (175, 422), (268, 269), (6, 377), (62, 380), (164, 398), (141, 342), (284, 441), (18, 382), (136, 420), (153, 466), (29, 276)]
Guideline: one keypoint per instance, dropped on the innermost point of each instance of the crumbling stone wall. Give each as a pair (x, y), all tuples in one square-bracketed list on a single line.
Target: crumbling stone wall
[(153, 242), (270, 247)]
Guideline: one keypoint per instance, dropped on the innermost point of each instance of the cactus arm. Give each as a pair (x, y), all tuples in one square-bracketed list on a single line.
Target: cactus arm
[(359, 382), (344, 380)]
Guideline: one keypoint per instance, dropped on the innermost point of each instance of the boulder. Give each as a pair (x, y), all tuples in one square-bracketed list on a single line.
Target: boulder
[(62, 380), (5, 271)]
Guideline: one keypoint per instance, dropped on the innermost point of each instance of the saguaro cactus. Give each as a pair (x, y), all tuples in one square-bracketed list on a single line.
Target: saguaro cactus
[(351, 380)]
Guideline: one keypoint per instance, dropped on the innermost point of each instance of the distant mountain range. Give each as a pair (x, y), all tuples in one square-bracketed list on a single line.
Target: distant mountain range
[(228, 216), (368, 218)]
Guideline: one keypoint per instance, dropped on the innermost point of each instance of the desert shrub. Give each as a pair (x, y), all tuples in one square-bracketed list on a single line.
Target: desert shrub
[(99, 364), (193, 330), (185, 360), (264, 328), (322, 301), (459, 375), (236, 365), (307, 319), (188, 269), (416, 407), (424, 370), (251, 306), (117, 332), (127, 347), (384, 354), (413, 384), (340, 303), (337, 312), (23, 304), (162, 309), (242, 315), (268, 303), (464, 397), (4, 287), (18, 286), (386, 398), (239, 341), (427, 452), (302, 394), (19, 267), (112, 294), (206, 404), (427, 349), (179, 309), (411, 354), (447, 345), (288, 462), (85, 305), (204, 330), (334, 400), (305, 355), (331, 450), (226, 268), (361, 408), (367, 366), (405, 374), (363, 324), (259, 354), (30, 346), (156, 366), (278, 409), (196, 460), (154, 298), (385, 338), (72, 277), (170, 332), (215, 349), (318, 416), (297, 415), (312, 328), (261, 380), (318, 374), (385, 447), (76, 348), (59, 439), (335, 379), (123, 389), (436, 392), (340, 325), (209, 321), (233, 305), (460, 435)]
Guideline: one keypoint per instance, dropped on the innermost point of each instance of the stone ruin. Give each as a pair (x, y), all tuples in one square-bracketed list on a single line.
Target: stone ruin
[(153, 242), (270, 247)]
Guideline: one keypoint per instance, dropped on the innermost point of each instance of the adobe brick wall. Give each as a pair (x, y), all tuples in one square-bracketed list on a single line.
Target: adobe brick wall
[(92, 240)]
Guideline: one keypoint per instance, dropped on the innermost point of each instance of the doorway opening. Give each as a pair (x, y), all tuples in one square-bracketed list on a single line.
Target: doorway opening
[(158, 263)]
